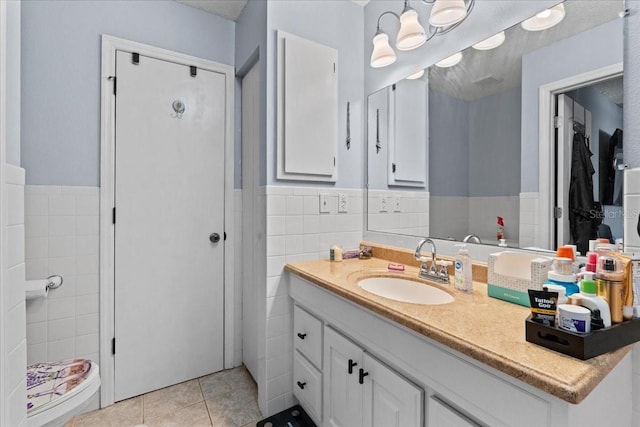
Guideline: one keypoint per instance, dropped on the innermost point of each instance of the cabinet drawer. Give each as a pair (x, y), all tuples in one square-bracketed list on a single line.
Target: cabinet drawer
[(441, 414), (307, 335), (307, 386)]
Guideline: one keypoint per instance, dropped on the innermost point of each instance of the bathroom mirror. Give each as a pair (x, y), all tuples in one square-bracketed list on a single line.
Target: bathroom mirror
[(487, 150)]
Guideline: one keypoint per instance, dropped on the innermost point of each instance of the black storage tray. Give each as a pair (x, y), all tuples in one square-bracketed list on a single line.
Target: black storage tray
[(583, 346)]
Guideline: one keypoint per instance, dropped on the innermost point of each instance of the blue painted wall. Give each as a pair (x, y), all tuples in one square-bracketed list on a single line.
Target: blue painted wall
[(12, 128), (494, 145), (61, 73), (448, 145)]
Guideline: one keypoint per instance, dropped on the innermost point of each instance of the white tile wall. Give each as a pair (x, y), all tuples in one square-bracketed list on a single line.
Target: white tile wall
[(62, 237), (12, 296), (529, 222), (456, 217), (483, 213), (406, 212), (297, 231), (449, 217)]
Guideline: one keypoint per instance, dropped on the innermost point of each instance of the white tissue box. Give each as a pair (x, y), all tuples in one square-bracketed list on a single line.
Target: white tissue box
[(511, 274)]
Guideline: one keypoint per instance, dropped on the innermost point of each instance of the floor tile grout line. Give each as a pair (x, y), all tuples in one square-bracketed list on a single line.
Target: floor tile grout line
[(205, 401)]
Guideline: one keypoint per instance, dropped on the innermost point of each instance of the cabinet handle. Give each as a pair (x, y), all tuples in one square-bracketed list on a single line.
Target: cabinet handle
[(361, 375), (301, 335), (301, 385), (351, 365)]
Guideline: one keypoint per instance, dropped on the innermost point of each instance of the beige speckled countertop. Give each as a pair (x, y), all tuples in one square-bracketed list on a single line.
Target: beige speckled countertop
[(488, 330)]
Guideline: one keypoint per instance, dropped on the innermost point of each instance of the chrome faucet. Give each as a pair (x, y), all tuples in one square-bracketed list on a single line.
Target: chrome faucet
[(431, 272), (471, 237)]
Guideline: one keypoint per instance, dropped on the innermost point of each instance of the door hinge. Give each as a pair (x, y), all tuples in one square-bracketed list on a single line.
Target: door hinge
[(115, 84), (334, 161), (393, 86), (113, 215), (135, 58), (393, 167), (557, 212), (194, 70), (113, 345), (556, 122), (225, 235)]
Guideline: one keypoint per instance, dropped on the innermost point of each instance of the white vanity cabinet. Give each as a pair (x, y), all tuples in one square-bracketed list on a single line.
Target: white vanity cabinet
[(361, 391), (410, 380)]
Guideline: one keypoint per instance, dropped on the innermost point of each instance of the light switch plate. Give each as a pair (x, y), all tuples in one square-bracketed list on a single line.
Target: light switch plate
[(342, 203), (324, 203), (383, 203)]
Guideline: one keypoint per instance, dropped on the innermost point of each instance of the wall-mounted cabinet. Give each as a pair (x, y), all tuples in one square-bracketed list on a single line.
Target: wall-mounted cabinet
[(307, 110)]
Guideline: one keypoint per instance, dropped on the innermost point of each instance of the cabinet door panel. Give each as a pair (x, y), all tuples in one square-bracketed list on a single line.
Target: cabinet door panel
[(389, 399), (342, 393)]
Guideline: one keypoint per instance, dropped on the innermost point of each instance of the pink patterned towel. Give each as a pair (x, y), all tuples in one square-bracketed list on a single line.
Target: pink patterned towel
[(47, 382)]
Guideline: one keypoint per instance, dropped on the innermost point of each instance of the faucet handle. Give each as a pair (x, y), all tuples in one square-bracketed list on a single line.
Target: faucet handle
[(444, 272)]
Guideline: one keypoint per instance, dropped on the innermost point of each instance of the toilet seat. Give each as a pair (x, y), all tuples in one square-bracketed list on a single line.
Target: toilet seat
[(59, 390)]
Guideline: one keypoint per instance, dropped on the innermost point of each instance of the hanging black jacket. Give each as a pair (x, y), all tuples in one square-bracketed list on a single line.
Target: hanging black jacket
[(581, 204)]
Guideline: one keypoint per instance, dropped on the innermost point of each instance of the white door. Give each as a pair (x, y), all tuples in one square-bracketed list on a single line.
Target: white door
[(389, 399), (169, 199), (569, 112), (342, 392)]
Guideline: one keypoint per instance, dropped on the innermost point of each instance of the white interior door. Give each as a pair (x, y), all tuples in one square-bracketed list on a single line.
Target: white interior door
[(568, 112), (169, 199)]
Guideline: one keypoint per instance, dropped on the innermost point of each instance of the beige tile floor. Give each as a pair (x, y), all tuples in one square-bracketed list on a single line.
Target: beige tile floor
[(224, 399)]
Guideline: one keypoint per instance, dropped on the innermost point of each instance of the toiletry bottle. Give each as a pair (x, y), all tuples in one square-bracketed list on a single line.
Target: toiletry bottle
[(562, 274), (590, 299), (610, 273), (500, 231), (463, 280)]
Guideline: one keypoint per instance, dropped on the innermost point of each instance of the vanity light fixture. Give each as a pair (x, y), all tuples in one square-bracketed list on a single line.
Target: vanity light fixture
[(416, 75), (545, 19), (450, 61), (491, 42), (445, 13), (445, 16)]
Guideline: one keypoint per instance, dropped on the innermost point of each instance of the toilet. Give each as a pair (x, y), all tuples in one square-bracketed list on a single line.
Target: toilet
[(58, 391)]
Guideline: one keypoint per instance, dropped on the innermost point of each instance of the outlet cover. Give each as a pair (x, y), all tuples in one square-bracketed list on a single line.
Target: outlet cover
[(383, 203), (397, 204), (324, 203), (342, 203)]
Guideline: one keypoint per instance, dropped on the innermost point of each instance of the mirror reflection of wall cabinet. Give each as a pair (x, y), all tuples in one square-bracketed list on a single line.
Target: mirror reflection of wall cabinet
[(408, 118), (307, 110)]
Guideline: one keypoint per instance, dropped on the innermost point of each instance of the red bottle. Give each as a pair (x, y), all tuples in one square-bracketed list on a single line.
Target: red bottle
[(500, 233)]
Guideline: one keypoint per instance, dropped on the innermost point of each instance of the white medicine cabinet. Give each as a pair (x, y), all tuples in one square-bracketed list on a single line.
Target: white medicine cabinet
[(307, 109)]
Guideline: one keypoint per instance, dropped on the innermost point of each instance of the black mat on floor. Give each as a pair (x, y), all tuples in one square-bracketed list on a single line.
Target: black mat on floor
[(292, 417)]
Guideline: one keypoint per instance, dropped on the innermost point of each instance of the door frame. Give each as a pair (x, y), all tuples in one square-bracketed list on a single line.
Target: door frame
[(4, 406), (546, 137), (107, 196)]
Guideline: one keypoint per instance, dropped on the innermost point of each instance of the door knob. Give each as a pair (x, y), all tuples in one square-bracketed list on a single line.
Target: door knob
[(351, 365), (214, 237)]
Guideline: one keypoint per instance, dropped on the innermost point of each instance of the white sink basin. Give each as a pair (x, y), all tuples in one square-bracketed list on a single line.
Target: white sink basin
[(404, 290)]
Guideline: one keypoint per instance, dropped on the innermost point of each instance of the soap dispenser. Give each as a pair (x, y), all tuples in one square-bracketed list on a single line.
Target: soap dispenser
[(463, 278), (591, 300)]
